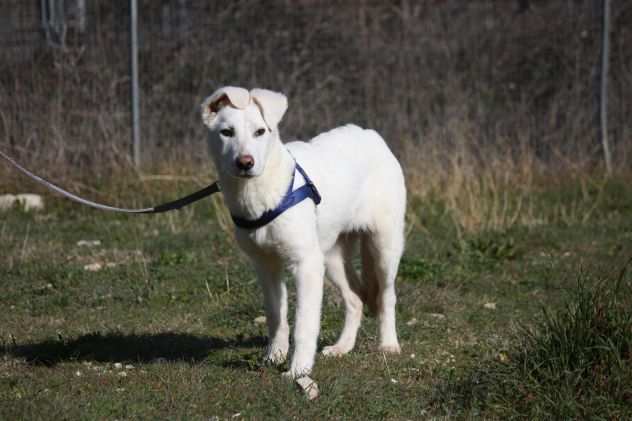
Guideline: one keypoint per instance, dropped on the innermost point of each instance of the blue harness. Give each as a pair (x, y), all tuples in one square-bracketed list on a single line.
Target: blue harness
[(292, 197)]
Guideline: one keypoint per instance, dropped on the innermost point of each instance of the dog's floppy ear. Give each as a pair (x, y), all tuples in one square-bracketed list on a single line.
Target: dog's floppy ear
[(272, 105), (228, 95)]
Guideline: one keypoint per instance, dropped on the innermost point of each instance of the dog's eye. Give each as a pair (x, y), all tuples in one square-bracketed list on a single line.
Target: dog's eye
[(260, 132), (227, 132)]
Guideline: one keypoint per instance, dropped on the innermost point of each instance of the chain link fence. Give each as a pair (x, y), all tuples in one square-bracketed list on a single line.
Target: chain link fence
[(514, 75)]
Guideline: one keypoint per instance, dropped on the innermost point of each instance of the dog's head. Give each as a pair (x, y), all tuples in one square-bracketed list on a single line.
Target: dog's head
[(243, 126)]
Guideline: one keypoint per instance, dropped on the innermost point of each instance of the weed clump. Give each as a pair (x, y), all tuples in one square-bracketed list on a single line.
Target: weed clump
[(574, 362)]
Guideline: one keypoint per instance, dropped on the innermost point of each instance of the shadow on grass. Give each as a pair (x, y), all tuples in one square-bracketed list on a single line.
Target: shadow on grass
[(118, 347)]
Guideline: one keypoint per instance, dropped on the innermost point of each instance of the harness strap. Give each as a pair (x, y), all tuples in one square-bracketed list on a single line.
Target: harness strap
[(292, 197), (314, 194)]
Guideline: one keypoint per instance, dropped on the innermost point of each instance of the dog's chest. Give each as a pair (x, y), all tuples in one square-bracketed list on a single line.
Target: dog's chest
[(261, 242)]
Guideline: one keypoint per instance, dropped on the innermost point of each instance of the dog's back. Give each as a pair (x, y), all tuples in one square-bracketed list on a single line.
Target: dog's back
[(360, 179)]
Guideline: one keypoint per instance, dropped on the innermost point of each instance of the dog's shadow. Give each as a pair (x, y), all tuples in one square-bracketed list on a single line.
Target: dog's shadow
[(128, 348)]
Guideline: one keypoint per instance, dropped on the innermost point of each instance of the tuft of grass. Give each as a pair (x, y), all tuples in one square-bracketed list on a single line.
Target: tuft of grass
[(486, 248), (574, 362), (419, 269)]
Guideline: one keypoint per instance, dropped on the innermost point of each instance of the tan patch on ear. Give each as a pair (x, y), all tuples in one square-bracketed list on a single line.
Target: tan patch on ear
[(211, 108), (215, 106), (227, 96)]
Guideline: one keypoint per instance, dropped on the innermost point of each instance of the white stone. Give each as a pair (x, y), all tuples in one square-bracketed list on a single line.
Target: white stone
[(7, 201), (88, 243), (490, 306), (30, 201), (308, 386), (93, 267), (260, 320)]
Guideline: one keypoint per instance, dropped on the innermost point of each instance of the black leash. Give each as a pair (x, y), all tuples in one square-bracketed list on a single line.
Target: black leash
[(165, 207)]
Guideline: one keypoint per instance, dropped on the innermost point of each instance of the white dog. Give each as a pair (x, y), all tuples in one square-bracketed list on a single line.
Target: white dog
[(363, 201)]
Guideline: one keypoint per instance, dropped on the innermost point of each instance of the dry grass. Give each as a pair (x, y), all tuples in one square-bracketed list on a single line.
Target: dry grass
[(486, 106)]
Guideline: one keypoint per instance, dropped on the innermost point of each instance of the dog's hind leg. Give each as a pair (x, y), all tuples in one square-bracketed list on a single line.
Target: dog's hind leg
[(382, 250), (275, 303), (341, 273)]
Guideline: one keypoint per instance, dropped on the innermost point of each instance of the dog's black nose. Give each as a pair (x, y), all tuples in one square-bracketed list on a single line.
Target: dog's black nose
[(245, 162)]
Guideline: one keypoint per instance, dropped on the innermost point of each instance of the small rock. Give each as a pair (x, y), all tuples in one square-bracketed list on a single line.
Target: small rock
[(308, 386), (118, 366), (30, 201), (78, 373), (93, 267), (490, 306), (260, 320), (7, 201), (437, 316), (129, 367), (122, 374), (411, 322), (88, 243)]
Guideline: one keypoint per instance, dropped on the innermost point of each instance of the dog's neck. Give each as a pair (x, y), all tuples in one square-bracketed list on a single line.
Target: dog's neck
[(249, 197)]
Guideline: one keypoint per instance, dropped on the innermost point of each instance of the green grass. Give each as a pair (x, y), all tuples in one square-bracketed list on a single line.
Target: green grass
[(531, 322), (573, 362)]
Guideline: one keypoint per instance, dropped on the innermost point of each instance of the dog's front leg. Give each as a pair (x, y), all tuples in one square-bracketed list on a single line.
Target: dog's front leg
[(275, 304), (309, 274)]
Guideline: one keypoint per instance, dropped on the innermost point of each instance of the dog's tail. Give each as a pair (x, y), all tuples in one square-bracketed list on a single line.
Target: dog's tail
[(370, 284), (367, 285)]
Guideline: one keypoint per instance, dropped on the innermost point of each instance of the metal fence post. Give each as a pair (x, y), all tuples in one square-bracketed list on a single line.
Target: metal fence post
[(134, 80), (603, 94)]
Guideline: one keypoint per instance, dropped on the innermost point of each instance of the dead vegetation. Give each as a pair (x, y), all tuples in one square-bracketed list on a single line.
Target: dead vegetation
[(484, 102)]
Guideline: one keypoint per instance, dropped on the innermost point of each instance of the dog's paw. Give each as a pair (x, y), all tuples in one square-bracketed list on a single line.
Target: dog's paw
[(390, 348), (275, 356), (293, 375), (297, 371), (335, 351)]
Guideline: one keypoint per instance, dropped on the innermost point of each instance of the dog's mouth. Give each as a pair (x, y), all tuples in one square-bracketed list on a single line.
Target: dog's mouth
[(243, 174), (238, 173)]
